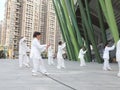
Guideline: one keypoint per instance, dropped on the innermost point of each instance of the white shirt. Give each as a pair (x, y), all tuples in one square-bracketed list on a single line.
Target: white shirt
[(23, 48), (81, 53), (36, 49), (60, 50), (106, 51)]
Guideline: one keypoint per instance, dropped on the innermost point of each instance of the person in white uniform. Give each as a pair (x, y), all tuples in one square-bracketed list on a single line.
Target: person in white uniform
[(50, 56), (23, 49), (106, 65), (118, 56), (35, 54), (60, 59), (81, 56)]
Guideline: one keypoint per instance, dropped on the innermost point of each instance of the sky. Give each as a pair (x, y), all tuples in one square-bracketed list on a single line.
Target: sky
[(2, 8)]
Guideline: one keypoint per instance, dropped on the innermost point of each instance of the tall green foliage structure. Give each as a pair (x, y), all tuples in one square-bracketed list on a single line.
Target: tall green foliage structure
[(65, 12), (107, 9), (85, 17), (68, 27)]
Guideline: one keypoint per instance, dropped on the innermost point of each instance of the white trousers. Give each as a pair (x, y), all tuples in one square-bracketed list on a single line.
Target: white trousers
[(82, 61), (60, 63), (23, 60), (50, 60), (106, 64), (38, 65)]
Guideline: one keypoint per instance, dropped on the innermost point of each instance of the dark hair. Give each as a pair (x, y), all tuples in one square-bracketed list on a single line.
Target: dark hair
[(106, 44), (60, 43), (36, 34)]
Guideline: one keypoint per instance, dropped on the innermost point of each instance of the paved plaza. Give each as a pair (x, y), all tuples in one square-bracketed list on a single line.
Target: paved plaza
[(74, 77)]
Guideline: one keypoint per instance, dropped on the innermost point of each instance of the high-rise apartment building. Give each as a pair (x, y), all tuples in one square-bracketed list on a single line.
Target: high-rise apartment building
[(34, 18), (30, 19), (13, 22), (53, 35), (58, 37), (27, 20), (43, 20), (23, 17), (39, 15), (3, 34)]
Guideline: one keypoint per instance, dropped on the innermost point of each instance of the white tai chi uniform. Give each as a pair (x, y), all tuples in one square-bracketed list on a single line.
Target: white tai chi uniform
[(106, 57), (35, 55), (118, 56), (23, 49), (60, 59), (81, 56), (50, 56)]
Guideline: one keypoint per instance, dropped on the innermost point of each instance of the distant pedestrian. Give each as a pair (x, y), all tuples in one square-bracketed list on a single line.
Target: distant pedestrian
[(50, 56), (23, 49), (81, 56), (60, 59), (106, 65)]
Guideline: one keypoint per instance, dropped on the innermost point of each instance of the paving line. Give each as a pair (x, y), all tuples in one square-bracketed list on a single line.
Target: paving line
[(60, 82)]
